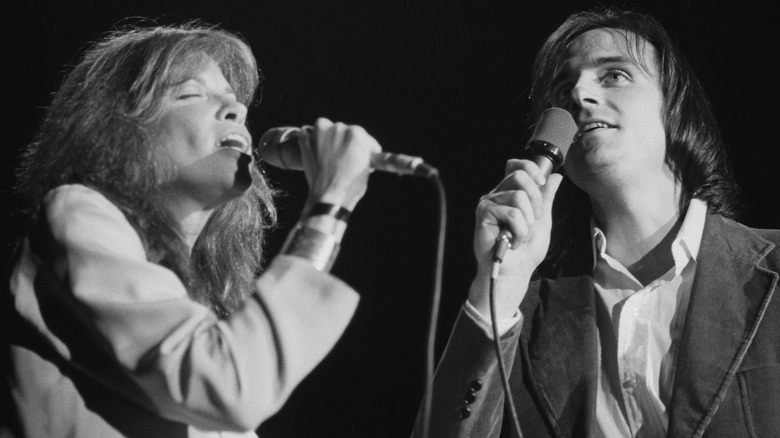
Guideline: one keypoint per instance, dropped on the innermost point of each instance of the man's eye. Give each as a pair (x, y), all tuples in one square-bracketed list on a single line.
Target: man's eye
[(615, 76), (561, 95), (187, 96)]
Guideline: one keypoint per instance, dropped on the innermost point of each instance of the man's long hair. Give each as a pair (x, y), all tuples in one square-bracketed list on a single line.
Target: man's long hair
[(96, 132), (694, 149)]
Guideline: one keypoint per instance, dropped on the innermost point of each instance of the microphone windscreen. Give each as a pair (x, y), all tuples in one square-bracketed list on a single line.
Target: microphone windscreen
[(279, 148), (556, 127)]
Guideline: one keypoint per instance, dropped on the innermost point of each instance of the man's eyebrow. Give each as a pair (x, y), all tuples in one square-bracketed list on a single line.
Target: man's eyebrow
[(615, 60), (563, 73)]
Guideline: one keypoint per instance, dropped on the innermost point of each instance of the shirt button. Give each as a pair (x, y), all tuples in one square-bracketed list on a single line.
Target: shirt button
[(465, 412), (629, 384)]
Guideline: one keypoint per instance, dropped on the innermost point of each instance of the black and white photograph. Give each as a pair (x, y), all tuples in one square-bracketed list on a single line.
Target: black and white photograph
[(380, 219)]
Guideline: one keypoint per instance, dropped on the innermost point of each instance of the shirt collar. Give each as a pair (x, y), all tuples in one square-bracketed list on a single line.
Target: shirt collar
[(685, 246)]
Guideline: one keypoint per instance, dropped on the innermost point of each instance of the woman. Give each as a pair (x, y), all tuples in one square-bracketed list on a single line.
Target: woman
[(135, 305)]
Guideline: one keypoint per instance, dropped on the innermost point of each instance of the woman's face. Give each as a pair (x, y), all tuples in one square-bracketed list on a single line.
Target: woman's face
[(201, 130)]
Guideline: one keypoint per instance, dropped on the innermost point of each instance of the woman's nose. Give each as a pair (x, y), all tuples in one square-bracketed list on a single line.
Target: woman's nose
[(233, 110)]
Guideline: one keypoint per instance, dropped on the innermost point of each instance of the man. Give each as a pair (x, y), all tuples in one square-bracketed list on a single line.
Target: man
[(654, 313)]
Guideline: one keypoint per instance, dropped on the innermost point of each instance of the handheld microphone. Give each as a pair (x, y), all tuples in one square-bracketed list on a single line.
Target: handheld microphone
[(547, 147), (279, 148)]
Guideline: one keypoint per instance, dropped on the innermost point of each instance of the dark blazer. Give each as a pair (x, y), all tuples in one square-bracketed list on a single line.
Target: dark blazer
[(728, 372)]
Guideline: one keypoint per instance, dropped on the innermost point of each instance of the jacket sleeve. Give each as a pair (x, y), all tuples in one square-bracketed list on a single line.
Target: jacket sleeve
[(468, 397), (186, 364)]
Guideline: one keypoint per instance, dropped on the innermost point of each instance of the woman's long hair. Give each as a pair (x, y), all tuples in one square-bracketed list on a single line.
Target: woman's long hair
[(694, 149), (96, 133)]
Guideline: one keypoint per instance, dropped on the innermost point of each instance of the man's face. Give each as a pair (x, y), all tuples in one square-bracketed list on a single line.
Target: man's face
[(201, 129), (618, 105)]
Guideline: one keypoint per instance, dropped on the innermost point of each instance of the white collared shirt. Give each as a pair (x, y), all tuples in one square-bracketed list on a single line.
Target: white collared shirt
[(647, 323)]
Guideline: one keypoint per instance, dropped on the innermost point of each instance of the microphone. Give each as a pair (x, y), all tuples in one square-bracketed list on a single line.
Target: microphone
[(547, 147), (279, 148)]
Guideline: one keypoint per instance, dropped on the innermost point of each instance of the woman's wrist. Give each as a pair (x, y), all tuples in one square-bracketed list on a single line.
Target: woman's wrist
[(317, 236), (345, 197), (328, 218)]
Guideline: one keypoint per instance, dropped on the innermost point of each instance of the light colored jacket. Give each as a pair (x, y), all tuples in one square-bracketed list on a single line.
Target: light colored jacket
[(106, 344)]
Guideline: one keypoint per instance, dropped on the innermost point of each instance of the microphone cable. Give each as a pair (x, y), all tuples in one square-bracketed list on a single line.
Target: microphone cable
[(501, 244), (288, 157), (434, 316), (430, 349)]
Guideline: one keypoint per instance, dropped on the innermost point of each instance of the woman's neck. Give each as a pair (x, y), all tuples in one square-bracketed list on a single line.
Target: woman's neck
[(190, 216)]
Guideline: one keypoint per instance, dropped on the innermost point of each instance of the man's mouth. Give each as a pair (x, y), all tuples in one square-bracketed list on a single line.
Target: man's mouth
[(590, 127)]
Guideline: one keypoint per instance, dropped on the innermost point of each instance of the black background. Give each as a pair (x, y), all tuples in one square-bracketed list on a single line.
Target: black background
[(447, 81)]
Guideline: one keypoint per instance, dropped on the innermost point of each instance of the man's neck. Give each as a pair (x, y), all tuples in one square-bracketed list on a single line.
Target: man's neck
[(640, 228)]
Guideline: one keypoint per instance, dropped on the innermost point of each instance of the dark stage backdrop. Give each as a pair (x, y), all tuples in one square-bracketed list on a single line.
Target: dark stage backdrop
[(442, 80)]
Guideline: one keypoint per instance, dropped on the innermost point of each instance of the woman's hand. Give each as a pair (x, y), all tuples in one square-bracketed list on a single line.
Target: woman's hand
[(336, 160)]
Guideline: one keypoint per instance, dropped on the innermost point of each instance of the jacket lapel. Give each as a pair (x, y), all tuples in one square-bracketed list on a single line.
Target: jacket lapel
[(562, 354), (727, 301)]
